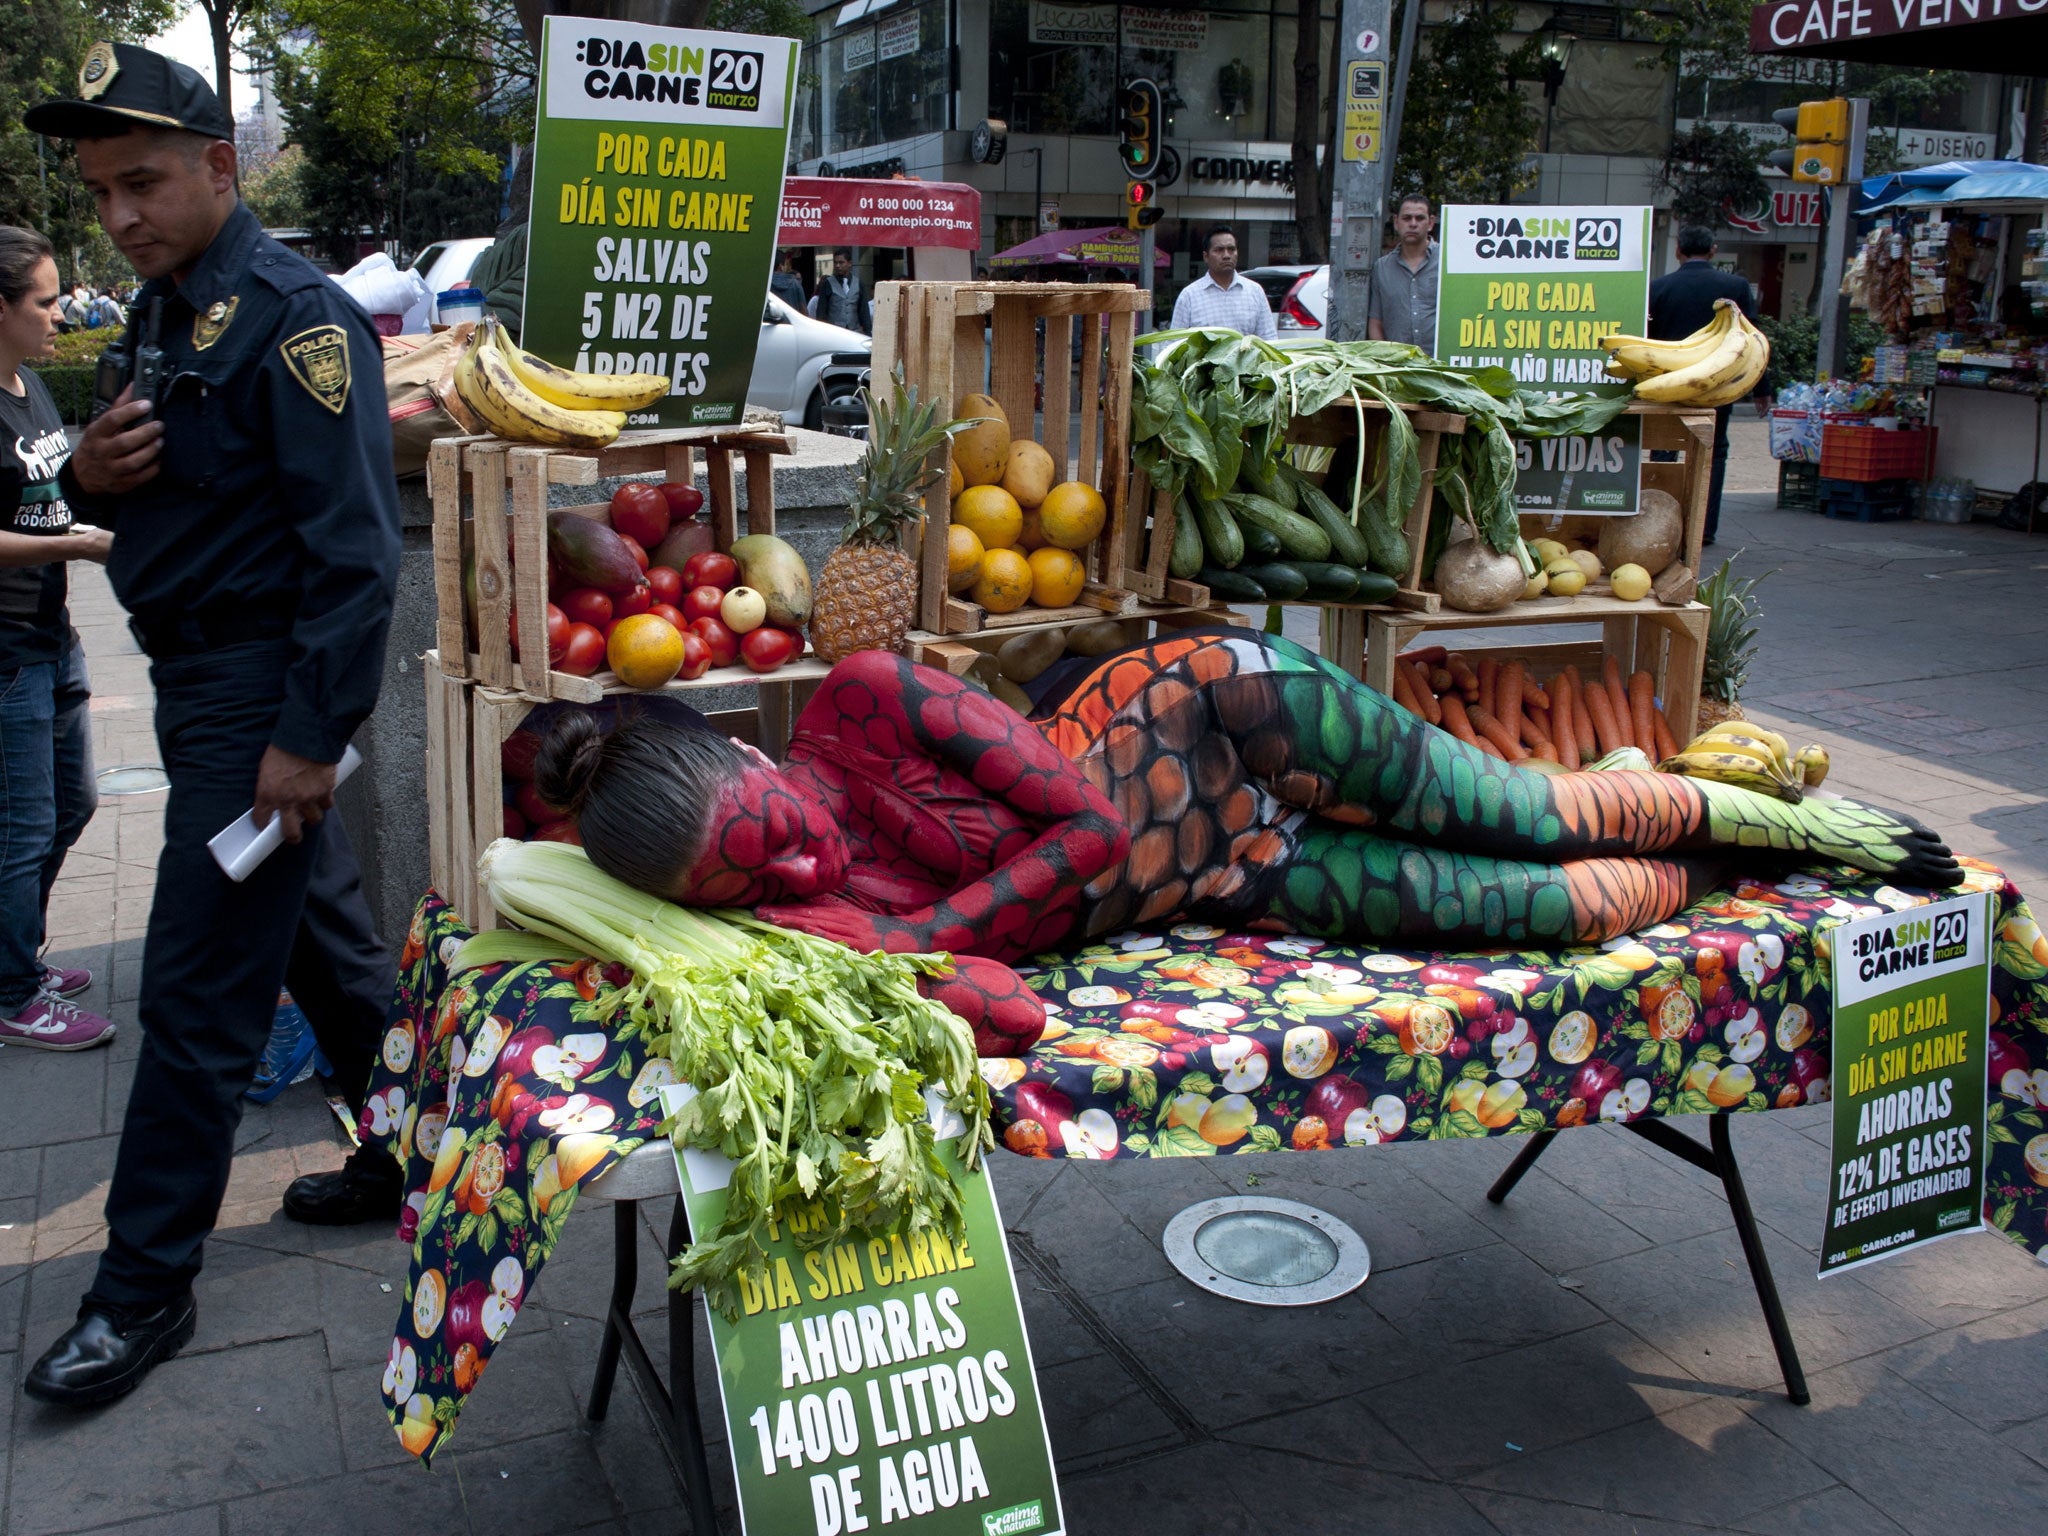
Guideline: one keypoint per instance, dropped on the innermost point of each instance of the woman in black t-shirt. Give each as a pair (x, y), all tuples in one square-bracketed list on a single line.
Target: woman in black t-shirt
[(46, 780)]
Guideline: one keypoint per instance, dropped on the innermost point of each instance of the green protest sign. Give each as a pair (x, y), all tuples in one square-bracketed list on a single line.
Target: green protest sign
[(1532, 290), (880, 1382), (1912, 1011), (657, 186)]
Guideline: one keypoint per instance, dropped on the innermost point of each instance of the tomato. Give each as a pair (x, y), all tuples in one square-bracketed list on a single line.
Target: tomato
[(722, 642), (533, 807), (705, 602), (516, 756), (636, 549), (639, 600), (583, 652), (672, 613), (683, 500), (696, 656), (515, 825), (712, 569), (558, 634), (640, 512), (667, 583), (765, 649), (563, 831), (587, 605)]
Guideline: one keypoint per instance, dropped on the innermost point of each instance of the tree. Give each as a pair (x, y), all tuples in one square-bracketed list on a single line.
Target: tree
[(1312, 129), (1467, 131), (223, 19), (1711, 170), (276, 191)]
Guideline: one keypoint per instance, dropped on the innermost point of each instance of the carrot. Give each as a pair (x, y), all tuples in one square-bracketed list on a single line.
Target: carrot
[(1667, 745), (1428, 655), (1484, 722), (1404, 693), (1544, 750), (1535, 693), (1463, 676), (1456, 721), (1418, 684), (1582, 719), (1489, 683), (1440, 680), (1509, 700), (1604, 727), (1536, 727), (1641, 693), (1617, 701), (1567, 737), (1610, 670)]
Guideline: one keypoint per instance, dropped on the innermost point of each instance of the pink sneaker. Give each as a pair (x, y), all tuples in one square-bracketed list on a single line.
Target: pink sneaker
[(50, 1024), (66, 981)]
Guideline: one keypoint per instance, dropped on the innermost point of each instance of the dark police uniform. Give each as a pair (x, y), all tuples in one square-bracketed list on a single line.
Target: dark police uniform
[(1681, 302), (258, 569)]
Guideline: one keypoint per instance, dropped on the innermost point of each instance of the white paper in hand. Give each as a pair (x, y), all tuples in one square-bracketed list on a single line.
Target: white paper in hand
[(241, 845)]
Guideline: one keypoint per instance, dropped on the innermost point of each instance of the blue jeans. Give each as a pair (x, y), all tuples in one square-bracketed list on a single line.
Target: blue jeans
[(47, 795)]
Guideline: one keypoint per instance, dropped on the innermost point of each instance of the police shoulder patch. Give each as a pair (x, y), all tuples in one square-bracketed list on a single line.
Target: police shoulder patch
[(318, 359)]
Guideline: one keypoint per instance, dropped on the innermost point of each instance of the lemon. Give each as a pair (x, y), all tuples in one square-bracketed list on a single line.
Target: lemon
[(963, 557), (1004, 584), (992, 513), (1566, 578), (1588, 562), (1538, 585), (1631, 583), (1072, 514), (1056, 577)]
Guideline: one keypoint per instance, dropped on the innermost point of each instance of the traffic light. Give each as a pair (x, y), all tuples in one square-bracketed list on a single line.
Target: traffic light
[(1820, 149), (1139, 128), (1141, 205)]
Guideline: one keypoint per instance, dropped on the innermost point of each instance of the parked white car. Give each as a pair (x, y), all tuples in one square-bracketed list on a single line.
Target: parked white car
[(1301, 301), (441, 266), (794, 351)]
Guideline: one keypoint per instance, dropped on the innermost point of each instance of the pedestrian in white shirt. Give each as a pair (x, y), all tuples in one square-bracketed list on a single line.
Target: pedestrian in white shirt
[(1220, 297)]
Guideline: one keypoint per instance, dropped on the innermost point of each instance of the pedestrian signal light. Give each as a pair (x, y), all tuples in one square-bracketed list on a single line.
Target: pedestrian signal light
[(1138, 129), (1141, 205), (1820, 148)]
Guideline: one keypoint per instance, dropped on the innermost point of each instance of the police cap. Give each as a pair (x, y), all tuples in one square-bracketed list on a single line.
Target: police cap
[(121, 86)]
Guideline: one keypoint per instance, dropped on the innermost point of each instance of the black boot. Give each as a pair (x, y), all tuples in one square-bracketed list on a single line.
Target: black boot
[(109, 1350), (368, 1187)]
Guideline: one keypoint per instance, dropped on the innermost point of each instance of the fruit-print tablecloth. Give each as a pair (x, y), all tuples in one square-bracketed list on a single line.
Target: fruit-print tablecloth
[(1187, 1042)]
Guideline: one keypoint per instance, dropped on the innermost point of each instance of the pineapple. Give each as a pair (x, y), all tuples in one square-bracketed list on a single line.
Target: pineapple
[(1731, 643), (866, 595)]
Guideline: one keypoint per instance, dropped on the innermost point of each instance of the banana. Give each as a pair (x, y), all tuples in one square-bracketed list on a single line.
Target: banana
[(571, 390), (1640, 357), (1749, 728), (487, 386), (1722, 378), (1745, 746), (1735, 768)]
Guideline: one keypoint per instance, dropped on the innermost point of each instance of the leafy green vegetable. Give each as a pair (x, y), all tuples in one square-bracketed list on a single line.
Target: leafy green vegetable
[(1212, 409)]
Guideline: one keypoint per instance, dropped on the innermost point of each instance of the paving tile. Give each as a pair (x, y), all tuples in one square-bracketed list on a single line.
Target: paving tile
[(401, 1501), (1557, 1227), (1831, 1512), (1927, 1468), (1402, 1218), (73, 1189), (1959, 1280), (1994, 1371), (51, 1096), (205, 1521), (1514, 1516), (190, 1434), (1708, 1463), (1656, 1194), (1349, 1432), (1096, 1250)]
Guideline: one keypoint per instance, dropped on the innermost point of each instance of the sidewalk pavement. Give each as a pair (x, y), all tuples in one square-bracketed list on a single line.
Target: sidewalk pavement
[(1587, 1358)]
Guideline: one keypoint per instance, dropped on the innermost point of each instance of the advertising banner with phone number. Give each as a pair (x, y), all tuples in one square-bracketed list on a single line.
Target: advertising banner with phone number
[(1532, 289), (658, 162)]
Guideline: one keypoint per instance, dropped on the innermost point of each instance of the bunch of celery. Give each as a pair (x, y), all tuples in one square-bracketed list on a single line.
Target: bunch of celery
[(811, 1061)]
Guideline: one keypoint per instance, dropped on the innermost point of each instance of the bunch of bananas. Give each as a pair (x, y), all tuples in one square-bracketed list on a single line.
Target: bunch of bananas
[(1716, 365), (527, 399), (1745, 754)]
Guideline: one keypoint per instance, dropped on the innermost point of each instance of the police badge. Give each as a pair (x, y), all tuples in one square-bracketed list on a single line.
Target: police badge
[(98, 71), (207, 328), (318, 359)]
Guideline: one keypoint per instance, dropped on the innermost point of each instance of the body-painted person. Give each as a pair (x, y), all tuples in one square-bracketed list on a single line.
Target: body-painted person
[(1222, 775)]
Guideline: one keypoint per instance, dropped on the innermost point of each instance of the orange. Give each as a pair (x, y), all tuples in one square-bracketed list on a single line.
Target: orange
[(955, 481), (1056, 577), (963, 558), (992, 513), (1031, 536), (1072, 514), (1004, 583), (645, 650)]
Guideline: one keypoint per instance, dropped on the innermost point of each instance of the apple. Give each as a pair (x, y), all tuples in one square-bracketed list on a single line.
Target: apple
[(1334, 1099), (1091, 1134), (1048, 1106), (1514, 1050), (516, 1059), (465, 1323), (2008, 1066), (1451, 975), (401, 1371), (1382, 1120), (498, 1312), (1628, 1101), (1810, 1071), (743, 609), (1745, 1036), (1595, 1080), (1241, 1064)]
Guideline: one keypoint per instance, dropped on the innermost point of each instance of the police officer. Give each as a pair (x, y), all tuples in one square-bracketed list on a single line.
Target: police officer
[(256, 550)]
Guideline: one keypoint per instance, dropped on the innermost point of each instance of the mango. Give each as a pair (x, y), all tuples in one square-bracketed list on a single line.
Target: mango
[(778, 573), (982, 452), (1028, 473)]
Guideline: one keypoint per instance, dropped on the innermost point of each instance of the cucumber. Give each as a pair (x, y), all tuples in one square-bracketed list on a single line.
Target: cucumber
[(1282, 581), (1231, 586), (1220, 535), (1273, 485), (1186, 557), (1260, 543), (1331, 583), (1346, 542), (1300, 538), (1387, 548), (1375, 587)]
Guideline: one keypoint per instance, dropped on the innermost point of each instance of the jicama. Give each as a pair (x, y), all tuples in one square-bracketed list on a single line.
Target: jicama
[(811, 1061)]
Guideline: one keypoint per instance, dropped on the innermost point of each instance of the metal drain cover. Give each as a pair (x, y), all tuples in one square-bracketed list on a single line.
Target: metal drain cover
[(132, 779), (1271, 1253)]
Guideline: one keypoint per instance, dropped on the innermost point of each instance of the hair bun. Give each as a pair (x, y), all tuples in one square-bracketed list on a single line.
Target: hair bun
[(568, 760)]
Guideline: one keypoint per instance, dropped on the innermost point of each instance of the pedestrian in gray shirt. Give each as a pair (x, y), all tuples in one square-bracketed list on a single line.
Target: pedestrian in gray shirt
[(1403, 302)]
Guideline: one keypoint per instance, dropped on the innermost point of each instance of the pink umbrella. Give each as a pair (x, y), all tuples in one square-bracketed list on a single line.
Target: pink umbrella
[(1106, 246)]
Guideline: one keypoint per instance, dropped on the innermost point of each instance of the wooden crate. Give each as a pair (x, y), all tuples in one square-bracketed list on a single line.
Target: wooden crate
[(1668, 643), (953, 339), (490, 501), (1687, 430), (957, 653), (468, 723)]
